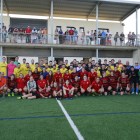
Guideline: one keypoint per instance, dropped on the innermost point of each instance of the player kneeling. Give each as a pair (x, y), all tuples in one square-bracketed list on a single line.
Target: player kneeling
[(97, 87), (113, 83), (105, 83), (76, 85), (31, 85), (21, 88), (11, 85), (85, 86), (68, 90), (124, 84), (57, 91)]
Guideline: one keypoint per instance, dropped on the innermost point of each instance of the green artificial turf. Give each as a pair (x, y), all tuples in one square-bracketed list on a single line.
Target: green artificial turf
[(124, 126)]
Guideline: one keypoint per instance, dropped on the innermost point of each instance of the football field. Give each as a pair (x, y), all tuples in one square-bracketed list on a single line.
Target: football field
[(95, 118)]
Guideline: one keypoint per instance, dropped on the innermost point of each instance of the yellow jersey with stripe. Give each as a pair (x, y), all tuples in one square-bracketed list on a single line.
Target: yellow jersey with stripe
[(17, 71), (63, 71), (3, 68)]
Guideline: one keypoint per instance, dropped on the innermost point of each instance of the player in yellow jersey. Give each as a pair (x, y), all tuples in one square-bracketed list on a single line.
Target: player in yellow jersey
[(3, 66), (63, 69), (110, 65), (24, 63), (26, 69), (45, 61), (47, 68), (32, 64), (98, 72), (18, 70), (54, 69), (108, 71), (71, 69), (37, 66), (55, 63), (118, 68), (66, 63)]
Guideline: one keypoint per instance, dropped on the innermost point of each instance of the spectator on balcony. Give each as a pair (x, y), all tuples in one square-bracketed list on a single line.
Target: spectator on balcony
[(67, 37), (99, 37), (83, 37), (116, 38), (4, 32), (103, 37), (95, 33), (133, 38), (40, 32), (34, 35), (122, 37), (109, 35), (75, 36), (44, 35), (60, 36), (71, 32), (91, 36), (129, 38), (15, 32), (21, 34), (10, 31), (88, 35), (28, 34), (56, 36)]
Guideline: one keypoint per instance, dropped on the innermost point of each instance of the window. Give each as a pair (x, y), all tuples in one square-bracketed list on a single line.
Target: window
[(101, 29), (58, 28), (69, 28), (81, 29)]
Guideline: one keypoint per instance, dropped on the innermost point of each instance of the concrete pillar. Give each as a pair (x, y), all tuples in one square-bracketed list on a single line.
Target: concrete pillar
[(96, 31), (1, 29), (137, 27), (52, 29), (136, 56)]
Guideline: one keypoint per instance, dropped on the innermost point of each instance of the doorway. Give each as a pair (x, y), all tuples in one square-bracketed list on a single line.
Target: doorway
[(58, 60)]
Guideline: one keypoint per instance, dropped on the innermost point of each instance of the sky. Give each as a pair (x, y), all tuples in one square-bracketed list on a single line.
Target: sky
[(130, 23)]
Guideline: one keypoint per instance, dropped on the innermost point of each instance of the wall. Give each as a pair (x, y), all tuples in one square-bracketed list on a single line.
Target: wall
[(6, 21), (88, 25)]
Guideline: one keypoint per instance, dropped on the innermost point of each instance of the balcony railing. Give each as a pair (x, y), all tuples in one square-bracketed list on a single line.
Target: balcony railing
[(68, 39)]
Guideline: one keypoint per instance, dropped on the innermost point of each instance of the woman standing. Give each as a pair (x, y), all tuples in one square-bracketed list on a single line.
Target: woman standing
[(49, 79), (83, 37), (87, 37), (129, 38), (116, 38), (122, 36), (56, 36), (4, 32), (133, 38)]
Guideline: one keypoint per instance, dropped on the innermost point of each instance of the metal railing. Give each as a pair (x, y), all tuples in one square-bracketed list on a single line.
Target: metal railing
[(68, 39)]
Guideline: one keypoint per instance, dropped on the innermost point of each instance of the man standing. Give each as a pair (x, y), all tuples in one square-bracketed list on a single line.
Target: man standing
[(44, 35), (28, 34), (10, 31), (15, 32), (16, 60), (24, 63), (109, 35), (11, 67), (3, 86), (103, 37), (71, 32), (127, 65), (32, 64), (75, 36), (3, 66), (60, 36)]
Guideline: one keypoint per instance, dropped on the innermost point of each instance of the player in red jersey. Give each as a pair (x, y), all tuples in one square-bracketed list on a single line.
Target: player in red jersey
[(11, 85), (66, 76), (97, 87), (105, 83), (49, 79), (68, 90), (113, 82), (58, 77), (82, 73), (92, 75), (57, 91), (85, 86), (27, 77), (21, 88), (36, 74), (117, 73), (124, 84), (76, 85), (74, 73), (41, 83)]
